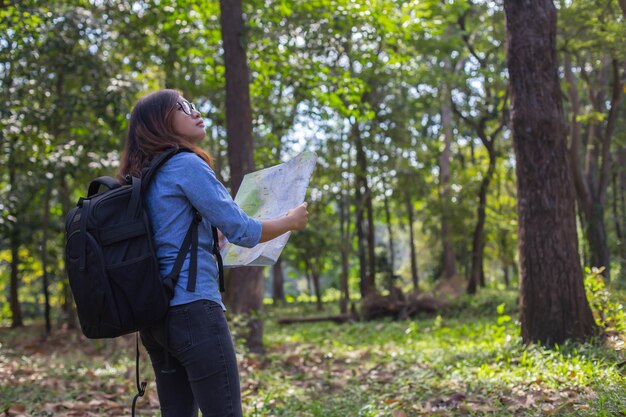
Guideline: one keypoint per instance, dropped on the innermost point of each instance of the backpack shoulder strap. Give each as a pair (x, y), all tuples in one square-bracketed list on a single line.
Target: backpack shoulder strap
[(218, 257), (148, 173), (190, 242)]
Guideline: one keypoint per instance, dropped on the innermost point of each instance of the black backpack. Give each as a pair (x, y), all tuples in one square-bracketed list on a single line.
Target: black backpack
[(111, 262)]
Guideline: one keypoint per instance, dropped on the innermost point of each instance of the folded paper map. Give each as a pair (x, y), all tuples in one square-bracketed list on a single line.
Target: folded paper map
[(268, 194)]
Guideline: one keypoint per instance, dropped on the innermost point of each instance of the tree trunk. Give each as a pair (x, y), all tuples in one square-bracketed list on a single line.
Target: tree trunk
[(244, 285), (278, 277), (360, 190), (365, 202), (346, 245), (409, 210), (391, 245), (371, 244), (477, 274), (592, 180), (16, 311), (619, 191), (44, 256), (449, 259), (278, 289), (315, 274), (505, 276), (596, 236), (504, 258), (581, 224), (616, 217), (14, 302), (360, 235), (553, 304), (238, 108)]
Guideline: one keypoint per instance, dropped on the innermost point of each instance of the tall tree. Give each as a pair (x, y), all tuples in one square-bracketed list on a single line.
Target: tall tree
[(365, 229), (553, 304), (594, 66), (619, 205), (449, 258), (244, 290), (44, 256), (488, 103), (16, 311)]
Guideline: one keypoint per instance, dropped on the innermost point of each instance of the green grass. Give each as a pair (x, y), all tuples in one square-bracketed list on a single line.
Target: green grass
[(469, 360)]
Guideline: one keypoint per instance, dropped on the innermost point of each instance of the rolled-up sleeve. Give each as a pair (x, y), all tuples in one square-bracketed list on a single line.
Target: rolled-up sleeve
[(209, 196)]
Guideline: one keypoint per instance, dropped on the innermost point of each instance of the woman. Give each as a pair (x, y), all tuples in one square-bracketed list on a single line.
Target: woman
[(192, 351)]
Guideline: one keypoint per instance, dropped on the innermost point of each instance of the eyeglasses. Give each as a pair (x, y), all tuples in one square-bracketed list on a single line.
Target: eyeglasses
[(186, 107)]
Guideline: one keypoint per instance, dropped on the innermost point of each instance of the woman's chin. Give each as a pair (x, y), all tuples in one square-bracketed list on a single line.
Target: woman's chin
[(199, 137)]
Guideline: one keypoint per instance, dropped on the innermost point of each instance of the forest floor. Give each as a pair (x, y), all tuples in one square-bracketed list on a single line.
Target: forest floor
[(468, 360)]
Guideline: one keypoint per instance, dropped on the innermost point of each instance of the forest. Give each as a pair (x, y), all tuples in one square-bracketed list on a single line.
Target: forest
[(466, 246)]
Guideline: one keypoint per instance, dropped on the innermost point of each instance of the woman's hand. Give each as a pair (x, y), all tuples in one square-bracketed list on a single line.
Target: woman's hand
[(299, 216), (296, 219)]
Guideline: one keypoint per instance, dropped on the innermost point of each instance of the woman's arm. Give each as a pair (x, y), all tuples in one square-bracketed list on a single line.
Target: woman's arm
[(296, 219), (209, 196)]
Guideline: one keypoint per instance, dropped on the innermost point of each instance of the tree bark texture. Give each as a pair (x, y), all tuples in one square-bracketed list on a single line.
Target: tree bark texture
[(553, 304), (449, 258), (244, 286), (238, 108)]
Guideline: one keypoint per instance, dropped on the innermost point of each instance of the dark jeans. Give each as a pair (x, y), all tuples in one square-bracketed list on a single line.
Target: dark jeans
[(203, 357)]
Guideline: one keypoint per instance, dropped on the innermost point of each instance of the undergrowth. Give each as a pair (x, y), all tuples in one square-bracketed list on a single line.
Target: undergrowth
[(467, 360)]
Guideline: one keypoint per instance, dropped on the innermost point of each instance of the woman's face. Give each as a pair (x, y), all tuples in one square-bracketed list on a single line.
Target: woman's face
[(187, 121)]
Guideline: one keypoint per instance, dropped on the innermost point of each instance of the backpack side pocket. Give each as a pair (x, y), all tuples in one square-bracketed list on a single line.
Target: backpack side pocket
[(91, 289), (140, 302)]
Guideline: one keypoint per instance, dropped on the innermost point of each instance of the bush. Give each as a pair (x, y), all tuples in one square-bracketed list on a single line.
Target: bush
[(608, 313)]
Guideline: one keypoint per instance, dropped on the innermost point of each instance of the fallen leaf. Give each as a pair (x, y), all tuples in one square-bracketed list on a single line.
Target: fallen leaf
[(15, 410)]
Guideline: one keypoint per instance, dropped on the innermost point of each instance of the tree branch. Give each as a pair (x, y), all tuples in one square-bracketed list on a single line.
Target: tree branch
[(466, 39), (622, 5), (616, 98), (575, 137)]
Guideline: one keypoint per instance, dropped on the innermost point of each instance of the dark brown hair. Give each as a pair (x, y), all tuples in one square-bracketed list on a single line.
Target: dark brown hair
[(151, 131)]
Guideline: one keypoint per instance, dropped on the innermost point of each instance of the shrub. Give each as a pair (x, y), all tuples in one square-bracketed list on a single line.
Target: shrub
[(608, 313)]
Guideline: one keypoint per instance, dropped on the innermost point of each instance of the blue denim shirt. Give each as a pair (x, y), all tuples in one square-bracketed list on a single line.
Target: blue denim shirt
[(184, 182)]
